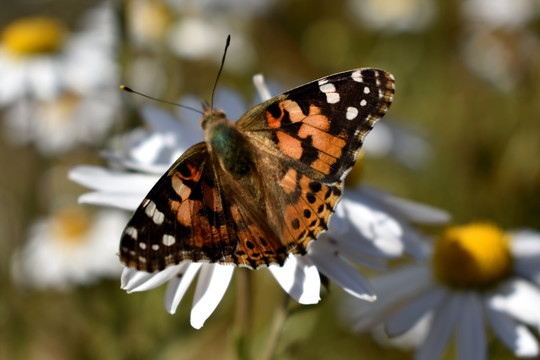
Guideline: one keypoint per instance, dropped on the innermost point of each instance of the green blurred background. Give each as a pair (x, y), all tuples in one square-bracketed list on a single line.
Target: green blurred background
[(469, 86)]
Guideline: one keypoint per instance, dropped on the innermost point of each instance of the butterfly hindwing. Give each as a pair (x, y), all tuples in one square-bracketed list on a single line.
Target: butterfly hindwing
[(188, 216)]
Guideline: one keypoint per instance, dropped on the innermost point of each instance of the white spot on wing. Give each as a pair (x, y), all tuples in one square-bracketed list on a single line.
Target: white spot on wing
[(142, 245), (323, 81), (332, 98), (357, 76), (366, 90), (363, 102), (157, 216), (352, 113), (131, 231), (150, 207), (329, 89), (168, 240), (155, 247)]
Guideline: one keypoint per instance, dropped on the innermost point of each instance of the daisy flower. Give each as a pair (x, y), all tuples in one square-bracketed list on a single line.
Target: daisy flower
[(70, 247), (361, 231), (61, 124), (476, 276), (56, 82)]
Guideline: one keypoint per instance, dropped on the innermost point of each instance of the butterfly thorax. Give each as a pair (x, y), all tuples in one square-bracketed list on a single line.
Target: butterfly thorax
[(226, 144)]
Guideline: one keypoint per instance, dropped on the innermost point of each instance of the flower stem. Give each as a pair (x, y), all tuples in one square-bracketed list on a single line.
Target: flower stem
[(243, 315), (279, 318)]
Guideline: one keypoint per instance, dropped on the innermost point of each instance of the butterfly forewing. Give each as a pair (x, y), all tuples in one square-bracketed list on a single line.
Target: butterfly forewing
[(321, 124), (307, 141), (300, 146)]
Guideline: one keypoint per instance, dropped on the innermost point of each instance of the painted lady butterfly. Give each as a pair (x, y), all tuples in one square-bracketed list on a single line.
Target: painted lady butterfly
[(255, 191)]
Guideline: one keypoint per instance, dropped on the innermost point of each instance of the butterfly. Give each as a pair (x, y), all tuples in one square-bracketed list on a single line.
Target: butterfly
[(264, 187)]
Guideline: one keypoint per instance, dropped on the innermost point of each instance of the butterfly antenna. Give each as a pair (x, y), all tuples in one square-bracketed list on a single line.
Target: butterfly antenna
[(227, 43), (125, 88)]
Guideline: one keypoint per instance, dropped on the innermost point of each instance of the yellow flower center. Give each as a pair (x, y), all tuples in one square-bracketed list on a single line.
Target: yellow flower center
[(475, 255), (33, 35), (71, 225)]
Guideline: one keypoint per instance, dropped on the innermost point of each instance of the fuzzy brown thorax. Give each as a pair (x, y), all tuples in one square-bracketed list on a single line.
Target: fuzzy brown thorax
[(226, 143)]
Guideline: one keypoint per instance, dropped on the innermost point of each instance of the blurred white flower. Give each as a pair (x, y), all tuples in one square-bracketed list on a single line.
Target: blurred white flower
[(40, 59), (476, 275), (497, 13), (246, 8), (394, 15), (53, 82), (195, 38), (70, 248), (148, 21), (501, 57), (60, 124)]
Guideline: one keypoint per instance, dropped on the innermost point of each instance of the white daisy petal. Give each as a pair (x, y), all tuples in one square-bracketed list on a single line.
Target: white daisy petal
[(471, 332), (98, 178), (526, 251), (407, 316), (134, 280), (405, 283), (179, 284), (516, 337), (342, 273), (213, 281), (299, 278), (373, 225), (262, 89), (520, 299), (128, 202), (44, 79), (444, 322), (390, 290), (406, 209)]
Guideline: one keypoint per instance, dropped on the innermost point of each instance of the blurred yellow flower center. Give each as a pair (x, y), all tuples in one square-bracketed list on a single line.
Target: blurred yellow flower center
[(475, 255), (71, 225), (61, 109), (149, 19), (354, 177), (393, 9), (33, 35)]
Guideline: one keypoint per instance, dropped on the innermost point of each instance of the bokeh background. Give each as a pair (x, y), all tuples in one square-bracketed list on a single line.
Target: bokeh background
[(463, 135)]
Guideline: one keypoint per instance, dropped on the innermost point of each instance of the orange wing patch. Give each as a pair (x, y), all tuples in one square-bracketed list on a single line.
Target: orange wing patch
[(307, 207), (289, 145), (256, 246)]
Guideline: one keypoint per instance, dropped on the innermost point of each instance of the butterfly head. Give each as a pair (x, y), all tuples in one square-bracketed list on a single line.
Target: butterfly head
[(211, 116)]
